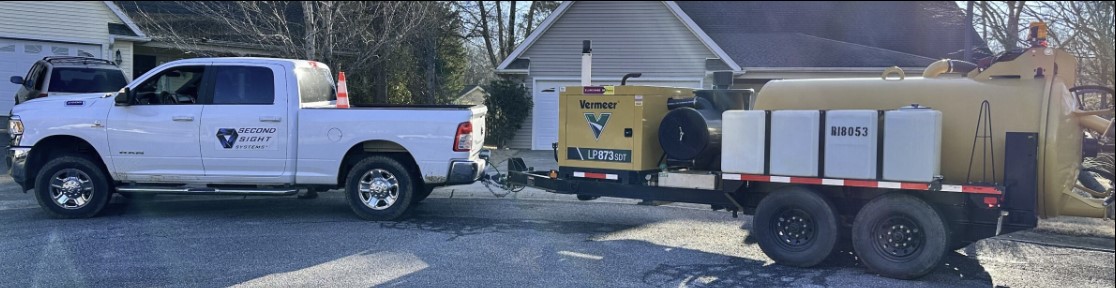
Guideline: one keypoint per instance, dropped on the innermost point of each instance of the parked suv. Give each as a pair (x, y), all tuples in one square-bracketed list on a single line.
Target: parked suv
[(57, 76)]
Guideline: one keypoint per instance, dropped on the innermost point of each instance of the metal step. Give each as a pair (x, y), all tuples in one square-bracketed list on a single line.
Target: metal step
[(209, 191)]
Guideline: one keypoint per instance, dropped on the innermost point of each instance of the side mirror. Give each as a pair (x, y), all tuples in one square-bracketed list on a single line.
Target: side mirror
[(17, 80), (124, 97)]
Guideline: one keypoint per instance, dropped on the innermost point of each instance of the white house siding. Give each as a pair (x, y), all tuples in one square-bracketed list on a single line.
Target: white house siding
[(64, 21), (628, 36), (126, 53)]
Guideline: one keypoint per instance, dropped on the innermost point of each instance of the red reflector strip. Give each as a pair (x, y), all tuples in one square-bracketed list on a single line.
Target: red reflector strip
[(980, 190), (861, 183), (591, 175)]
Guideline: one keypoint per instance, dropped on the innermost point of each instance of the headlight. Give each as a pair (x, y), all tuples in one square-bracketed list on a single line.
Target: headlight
[(15, 129)]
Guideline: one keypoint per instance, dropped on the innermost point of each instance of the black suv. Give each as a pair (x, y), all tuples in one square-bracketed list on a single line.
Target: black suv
[(56, 76)]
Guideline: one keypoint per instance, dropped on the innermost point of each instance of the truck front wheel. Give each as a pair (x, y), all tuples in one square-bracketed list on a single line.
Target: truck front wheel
[(796, 227), (378, 188), (72, 186), (900, 236)]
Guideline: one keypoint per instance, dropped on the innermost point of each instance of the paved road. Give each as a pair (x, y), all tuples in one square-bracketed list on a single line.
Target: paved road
[(472, 239), (267, 242)]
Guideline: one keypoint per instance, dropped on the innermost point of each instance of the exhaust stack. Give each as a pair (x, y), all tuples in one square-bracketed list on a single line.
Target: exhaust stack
[(587, 63)]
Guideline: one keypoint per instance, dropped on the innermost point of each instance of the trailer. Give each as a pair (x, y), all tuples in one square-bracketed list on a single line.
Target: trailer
[(1003, 151)]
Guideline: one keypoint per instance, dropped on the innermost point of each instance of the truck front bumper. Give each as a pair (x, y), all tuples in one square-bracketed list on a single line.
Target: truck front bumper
[(465, 172), (17, 164)]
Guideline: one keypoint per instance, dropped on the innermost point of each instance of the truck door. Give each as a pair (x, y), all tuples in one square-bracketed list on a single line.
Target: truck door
[(245, 130), (157, 136)]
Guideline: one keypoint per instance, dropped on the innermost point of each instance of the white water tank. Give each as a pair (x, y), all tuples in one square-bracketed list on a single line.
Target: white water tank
[(851, 138), (742, 141), (912, 144), (794, 142)]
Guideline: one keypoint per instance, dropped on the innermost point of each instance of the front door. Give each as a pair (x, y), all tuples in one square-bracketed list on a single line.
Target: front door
[(156, 138), (245, 131)]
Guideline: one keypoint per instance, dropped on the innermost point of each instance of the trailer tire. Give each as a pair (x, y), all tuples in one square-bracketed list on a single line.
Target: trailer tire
[(796, 227), (379, 188), (900, 236)]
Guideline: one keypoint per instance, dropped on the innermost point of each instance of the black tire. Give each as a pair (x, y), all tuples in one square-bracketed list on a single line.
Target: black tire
[(93, 188), (404, 188), (421, 194), (796, 227), (909, 252)]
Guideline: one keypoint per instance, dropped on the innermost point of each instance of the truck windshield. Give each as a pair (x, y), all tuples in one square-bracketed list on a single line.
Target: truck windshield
[(86, 80), (315, 85)]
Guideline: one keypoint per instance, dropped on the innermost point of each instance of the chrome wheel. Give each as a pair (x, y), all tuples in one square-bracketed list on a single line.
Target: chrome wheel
[(71, 188), (379, 189)]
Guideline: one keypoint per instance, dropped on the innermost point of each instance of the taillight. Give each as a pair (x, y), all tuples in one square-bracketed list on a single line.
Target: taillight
[(463, 141)]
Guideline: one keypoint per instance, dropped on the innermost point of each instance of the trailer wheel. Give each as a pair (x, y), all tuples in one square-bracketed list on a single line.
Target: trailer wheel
[(796, 227), (900, 236), (379, 188)]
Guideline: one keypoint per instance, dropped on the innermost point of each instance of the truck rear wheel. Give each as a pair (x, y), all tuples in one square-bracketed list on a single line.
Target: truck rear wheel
[(72, 186), (378, 188), (796, 227), (900, 236)]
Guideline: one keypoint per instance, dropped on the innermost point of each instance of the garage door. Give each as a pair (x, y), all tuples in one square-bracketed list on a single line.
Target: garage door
[(544, 121), (17, 56)]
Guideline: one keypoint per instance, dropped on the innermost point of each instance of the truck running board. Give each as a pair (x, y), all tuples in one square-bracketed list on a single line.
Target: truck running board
[(209, 191)]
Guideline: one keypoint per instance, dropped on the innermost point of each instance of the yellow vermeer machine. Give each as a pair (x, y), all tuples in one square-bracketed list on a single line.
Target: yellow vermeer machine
[(904, 168)]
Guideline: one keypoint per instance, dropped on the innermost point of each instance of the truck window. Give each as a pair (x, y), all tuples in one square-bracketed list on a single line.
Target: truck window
[(173, 86), (315, 85), (86, 80), (243, 85)]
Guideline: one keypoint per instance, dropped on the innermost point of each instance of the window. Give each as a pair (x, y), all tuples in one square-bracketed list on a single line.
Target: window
[(32, 49), (315, 85), (60, 50), (86, 80), (36, 79), (84, 53), (7, 47), (243, 85), (173, 86)]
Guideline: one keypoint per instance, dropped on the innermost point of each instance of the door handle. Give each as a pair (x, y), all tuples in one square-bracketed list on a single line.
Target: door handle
[(184, 118), (270, 119)]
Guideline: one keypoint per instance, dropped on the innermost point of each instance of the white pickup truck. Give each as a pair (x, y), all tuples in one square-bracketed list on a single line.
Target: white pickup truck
[(239, 126)]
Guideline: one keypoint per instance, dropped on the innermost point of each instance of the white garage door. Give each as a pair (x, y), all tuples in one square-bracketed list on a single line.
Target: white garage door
[(17, 56), (545, 113)]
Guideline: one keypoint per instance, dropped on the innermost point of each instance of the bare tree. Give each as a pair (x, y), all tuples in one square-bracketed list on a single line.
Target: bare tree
[(498, 24), (1001, 21), (354, 36)]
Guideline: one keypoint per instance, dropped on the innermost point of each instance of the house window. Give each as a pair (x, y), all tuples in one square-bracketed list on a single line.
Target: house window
[(84, 53), (7, 48), (60, 50), (32, 49)]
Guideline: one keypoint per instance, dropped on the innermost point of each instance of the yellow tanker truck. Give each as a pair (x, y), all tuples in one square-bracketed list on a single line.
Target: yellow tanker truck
[(903, 168)]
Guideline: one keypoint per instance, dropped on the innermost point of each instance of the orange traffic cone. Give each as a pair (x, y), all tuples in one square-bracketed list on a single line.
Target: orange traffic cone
[(342, 91)]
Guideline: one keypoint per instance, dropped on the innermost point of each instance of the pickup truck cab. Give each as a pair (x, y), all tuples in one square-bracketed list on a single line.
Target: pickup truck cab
[(240, 126)]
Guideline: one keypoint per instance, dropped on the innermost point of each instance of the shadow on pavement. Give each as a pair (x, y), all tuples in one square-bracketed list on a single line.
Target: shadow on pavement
[(290, 242)]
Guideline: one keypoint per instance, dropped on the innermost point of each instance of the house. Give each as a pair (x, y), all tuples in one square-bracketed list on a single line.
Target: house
[(31, 30), (683, 43), (471, 95)]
